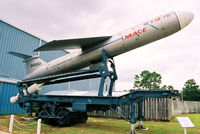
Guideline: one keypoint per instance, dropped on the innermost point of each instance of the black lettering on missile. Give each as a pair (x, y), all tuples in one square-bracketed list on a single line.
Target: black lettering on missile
[(35, 64)]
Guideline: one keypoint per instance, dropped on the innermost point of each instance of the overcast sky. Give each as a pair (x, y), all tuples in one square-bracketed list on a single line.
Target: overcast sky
[(176, 58)]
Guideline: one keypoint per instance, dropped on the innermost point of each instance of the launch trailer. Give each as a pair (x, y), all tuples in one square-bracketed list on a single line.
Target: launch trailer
[(66, 110)]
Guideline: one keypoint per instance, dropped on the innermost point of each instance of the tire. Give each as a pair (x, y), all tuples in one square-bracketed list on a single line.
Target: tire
[(83, 117), (65, 119)]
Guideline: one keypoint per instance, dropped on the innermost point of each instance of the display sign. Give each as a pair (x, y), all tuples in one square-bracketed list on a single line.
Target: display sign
[(185, 122)]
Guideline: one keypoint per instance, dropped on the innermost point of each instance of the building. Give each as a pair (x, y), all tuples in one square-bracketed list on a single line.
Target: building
[(14, 39), (12, 68), (8, 88)]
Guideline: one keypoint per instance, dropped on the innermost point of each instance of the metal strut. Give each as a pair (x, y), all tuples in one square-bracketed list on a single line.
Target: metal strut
[(102, 72), (140, 116), (106, 73)]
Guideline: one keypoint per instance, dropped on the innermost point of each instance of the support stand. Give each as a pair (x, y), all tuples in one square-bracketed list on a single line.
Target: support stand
[(113, 77), (140, 117), (106, 73), (133, 119), (101, 71), (29, 110)]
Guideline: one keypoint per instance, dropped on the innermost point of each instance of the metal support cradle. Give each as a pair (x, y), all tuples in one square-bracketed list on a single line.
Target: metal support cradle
[(101, 71), (54, 106)]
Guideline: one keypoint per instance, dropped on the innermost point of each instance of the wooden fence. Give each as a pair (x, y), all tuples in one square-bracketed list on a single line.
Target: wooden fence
[(153, 109)]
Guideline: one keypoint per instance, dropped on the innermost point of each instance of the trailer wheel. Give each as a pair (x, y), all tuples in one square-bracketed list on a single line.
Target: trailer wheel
[(64, 119), (83, 117), (42, 114)]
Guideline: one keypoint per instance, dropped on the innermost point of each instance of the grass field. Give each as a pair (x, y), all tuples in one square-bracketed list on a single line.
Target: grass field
[(105, 126)]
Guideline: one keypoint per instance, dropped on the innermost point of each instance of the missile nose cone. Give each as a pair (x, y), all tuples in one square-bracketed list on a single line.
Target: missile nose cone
[(184, 17)]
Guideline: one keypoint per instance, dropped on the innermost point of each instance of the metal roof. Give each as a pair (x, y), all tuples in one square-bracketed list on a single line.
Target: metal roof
[(20, 28), (8, 80)]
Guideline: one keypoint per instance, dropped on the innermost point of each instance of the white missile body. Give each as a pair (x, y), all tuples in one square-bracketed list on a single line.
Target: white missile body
[(90, 49), (122, 42)]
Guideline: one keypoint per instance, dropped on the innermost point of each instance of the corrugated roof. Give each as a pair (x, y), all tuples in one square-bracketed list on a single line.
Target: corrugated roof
[(8, 80), (21, 29)]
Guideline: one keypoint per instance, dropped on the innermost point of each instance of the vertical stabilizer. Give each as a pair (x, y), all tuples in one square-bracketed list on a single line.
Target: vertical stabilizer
[(32, 62)]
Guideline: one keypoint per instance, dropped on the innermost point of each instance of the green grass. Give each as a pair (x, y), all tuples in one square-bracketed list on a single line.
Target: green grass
[(172, 127), (106, 126)]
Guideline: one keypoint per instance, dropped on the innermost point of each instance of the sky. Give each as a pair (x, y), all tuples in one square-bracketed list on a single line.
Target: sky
[(176, 57)]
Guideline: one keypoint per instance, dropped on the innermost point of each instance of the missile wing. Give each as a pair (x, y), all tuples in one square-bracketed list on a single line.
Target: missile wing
[(83, 43)]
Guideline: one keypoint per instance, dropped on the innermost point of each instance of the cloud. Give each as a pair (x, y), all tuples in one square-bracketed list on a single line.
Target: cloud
[(176, 57)]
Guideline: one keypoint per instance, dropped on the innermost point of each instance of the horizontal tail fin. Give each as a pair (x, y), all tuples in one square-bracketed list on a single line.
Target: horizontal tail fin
[(32, 62), (20, 55)]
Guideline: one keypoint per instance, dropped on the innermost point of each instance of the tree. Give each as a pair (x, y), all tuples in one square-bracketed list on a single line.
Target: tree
[(137, 82), (191, 91), (165, 87), (147, 80), (170, 87)]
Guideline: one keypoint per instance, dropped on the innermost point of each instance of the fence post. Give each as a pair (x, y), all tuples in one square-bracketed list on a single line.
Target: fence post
[(38, 126), (11, 123)]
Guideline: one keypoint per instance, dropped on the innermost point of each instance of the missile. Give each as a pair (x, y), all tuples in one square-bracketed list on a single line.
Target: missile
[(122, 42), (32, 89), (90, 49)]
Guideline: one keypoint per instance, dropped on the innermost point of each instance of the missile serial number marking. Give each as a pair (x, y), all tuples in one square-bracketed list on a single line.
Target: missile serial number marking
[(137, 32), (160, 18), (35, 64)]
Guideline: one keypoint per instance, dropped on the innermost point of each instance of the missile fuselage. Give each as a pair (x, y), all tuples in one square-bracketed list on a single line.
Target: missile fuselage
[(122, 42), (119, 43)]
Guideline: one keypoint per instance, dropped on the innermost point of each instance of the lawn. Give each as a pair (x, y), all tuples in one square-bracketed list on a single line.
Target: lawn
[(105, 126)]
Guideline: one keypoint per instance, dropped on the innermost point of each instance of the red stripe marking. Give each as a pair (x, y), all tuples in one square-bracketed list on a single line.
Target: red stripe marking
[(178, 20)]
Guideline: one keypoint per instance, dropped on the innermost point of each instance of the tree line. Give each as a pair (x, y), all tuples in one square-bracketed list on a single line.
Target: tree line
[(147, 80)]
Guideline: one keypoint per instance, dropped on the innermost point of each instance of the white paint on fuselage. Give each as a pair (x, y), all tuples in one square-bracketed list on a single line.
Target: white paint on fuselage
[(54, 64), (122, 42)]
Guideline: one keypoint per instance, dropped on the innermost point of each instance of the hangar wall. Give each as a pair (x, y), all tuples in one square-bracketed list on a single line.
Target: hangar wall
[(15, 39), (8, 88)]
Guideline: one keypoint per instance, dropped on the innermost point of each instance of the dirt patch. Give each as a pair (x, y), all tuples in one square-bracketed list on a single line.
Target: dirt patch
[(4, 129), (97, 121), (196, 131), (173, 133), (4, 117)]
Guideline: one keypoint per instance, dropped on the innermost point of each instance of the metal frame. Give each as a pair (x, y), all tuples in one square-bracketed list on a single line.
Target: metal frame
[(86, 103), (101, 71), (80, 103)]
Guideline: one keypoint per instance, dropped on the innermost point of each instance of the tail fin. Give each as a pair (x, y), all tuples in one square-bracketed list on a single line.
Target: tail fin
[(32, 62)]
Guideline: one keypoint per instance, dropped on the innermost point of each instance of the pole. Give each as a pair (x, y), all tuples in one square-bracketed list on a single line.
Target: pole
[(185, 131), (133, 119), (182, 96), (132, 129), (38, 126), (140, 126), (11, 123)]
